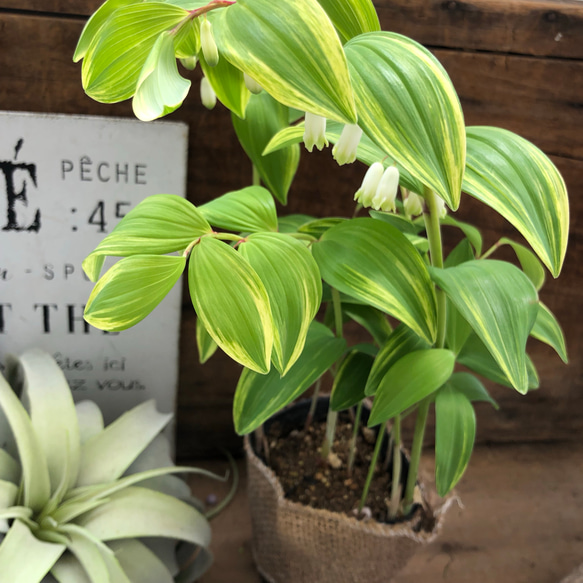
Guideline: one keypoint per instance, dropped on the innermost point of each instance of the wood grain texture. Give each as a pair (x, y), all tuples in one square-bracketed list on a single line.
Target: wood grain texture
[(77, 7), (538, 98), (548, 28)]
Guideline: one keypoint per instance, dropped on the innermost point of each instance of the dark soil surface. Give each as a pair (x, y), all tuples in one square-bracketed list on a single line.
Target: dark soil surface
[(307, 479)]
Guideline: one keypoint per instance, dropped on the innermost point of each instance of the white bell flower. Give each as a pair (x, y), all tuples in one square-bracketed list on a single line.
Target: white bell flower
[(252, 85), (344, 151), (368, 189), (441, 208), (208, 44), (315, 131), (207, 94), (386, 193), (413, 204)]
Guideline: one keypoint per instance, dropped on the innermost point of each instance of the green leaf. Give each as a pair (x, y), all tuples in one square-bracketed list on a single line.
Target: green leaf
[(295, 55), (512, 176), (107, 455), (467, 384), (473, 234), (232, 302), (374, 262), (204, 342), (95, 23), (250, 210), (187, 39), (160, 89), (140, 512), (401, 342), (412, 378), (229, 85), (36, 483), (264, 118), (407, 104), (548, 330), (528, 261), (318, 227), (259, 397), (476, 357), (131, 289), (49, 398), (291, 223), (160, 224), (350, 380), (500, 304), (457, 328), (372, 320), (292, 280), (114, 59), (89, 556), (455, 432), (402, 223), (351, 17), (24, 558)]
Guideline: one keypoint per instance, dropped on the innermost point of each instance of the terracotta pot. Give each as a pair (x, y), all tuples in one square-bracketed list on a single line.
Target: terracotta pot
[(293, 543)]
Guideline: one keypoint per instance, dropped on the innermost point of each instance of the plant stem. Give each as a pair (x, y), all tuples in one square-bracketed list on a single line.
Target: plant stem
[(396, 485), (373, 464), (491, 250), (354, 437), (416, 454), (433, 228), (313, 404), (256, 177), (333, 415)]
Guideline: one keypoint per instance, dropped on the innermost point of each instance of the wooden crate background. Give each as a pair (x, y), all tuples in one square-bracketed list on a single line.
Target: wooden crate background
[(517, 64)]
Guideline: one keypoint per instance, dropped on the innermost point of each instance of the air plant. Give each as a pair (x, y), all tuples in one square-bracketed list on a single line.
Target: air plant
[(85, 503)]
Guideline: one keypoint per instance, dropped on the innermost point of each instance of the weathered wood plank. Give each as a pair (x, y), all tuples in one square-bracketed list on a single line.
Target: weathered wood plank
[(530, 27), (77, 7), (551, 28)]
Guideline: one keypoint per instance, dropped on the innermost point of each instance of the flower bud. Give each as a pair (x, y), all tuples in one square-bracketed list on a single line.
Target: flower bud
[(386, 192), (207, 94), (413, 204), (315, 131), (208, 44), (366, 192), (252, 85), (344, 151), (189, 63), (441, 208)]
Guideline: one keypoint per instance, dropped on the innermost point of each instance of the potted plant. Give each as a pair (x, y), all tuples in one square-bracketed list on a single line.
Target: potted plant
[(81, 502), (256, 280)]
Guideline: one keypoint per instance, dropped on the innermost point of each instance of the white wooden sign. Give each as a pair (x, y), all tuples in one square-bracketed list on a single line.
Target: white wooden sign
[(65, 182)]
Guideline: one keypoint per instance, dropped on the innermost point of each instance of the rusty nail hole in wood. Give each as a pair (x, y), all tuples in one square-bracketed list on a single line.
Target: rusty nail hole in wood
[(551, 16)]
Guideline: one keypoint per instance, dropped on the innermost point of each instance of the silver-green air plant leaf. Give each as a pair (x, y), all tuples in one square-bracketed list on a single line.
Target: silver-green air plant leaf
[(512, 176), (160, 89), (113, 61), (292, 51), (500, 303), (264, 117), (407, 105), (374, 262), (232, 302), (292, 280), (89, 494)]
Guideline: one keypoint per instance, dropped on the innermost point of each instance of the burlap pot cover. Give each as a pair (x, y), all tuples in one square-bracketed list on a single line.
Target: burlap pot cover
[(293, 543)]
